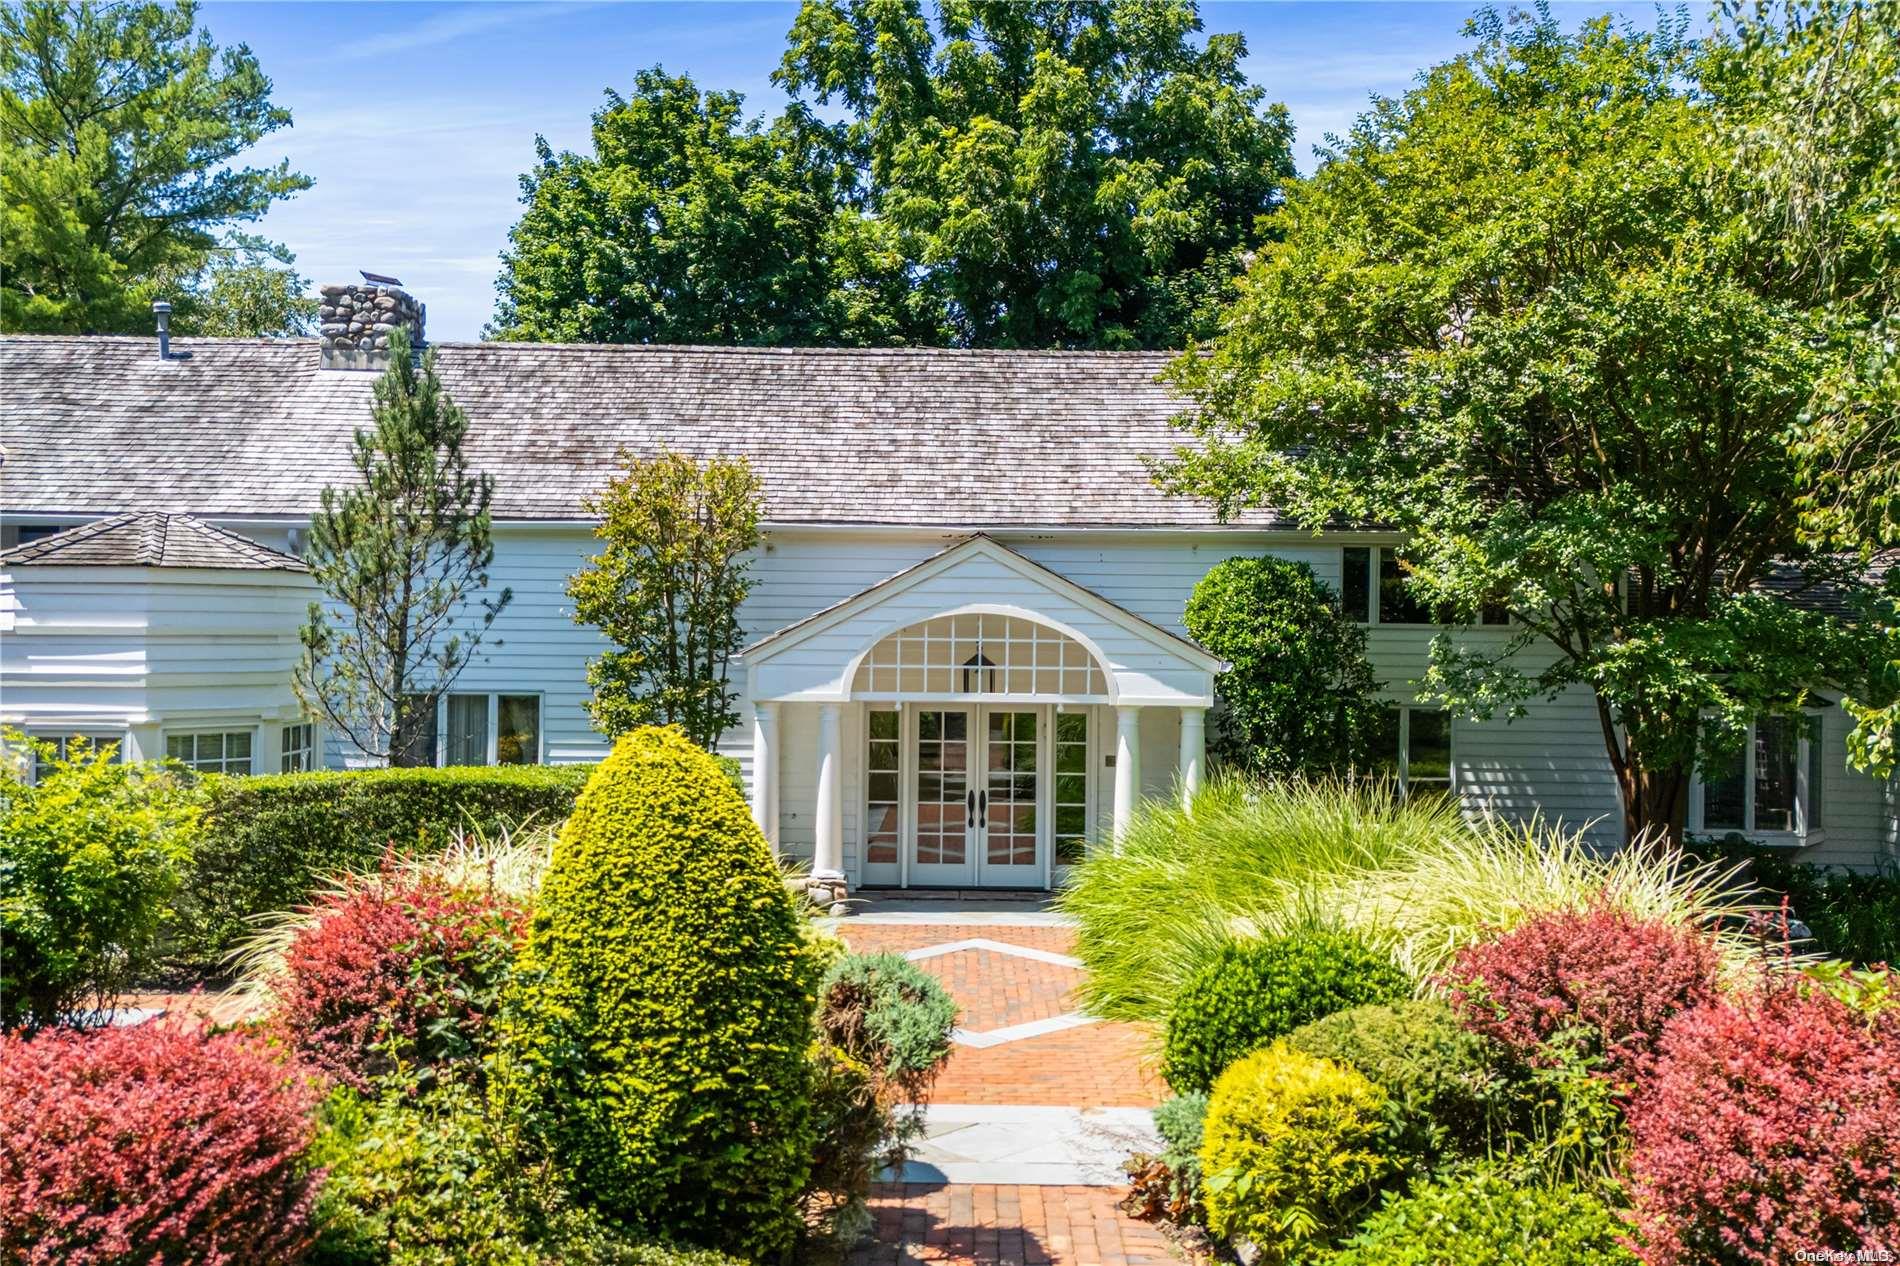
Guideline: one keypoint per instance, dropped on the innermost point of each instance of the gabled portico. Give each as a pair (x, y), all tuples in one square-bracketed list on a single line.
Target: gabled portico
[(996, 712)]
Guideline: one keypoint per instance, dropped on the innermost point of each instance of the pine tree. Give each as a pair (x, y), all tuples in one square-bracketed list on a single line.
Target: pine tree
[(404, 554)]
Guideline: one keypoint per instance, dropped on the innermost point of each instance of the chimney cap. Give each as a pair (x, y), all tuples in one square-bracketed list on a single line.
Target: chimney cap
[(161, 307), (377, 279)]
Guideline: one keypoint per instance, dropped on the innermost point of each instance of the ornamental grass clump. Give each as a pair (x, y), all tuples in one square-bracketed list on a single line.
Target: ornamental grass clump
[(1255, 991), (153, 1144), (1768, 1125), (1604, 978), (665, 1007)]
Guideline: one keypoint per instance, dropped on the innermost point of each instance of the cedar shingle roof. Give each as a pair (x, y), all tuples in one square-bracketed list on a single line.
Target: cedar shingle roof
[(150, 539), (926, 437)]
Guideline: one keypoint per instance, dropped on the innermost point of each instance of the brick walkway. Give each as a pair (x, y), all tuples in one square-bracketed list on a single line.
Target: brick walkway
[(1013, 979)]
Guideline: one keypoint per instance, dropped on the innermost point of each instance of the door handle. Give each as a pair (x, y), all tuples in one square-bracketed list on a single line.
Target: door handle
[(970, 824), (983, 805)]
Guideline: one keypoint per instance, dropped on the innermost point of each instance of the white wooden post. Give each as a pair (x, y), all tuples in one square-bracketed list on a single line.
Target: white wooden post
[(1127, 764), (765, 771), (1193, 752), (827, 863)]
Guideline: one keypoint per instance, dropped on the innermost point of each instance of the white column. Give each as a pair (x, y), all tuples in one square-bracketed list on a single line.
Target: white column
[(1127, 765), (1193, 752), (827, 861), (765, 771)]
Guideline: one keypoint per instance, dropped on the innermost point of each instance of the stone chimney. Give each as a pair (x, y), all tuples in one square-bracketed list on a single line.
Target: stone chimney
[(356, 320)]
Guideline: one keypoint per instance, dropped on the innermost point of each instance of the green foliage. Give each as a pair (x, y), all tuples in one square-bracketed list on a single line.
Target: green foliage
[(1518, 316), (1482, 1219), (90, 856), (1292, 1152), (689, 223), (403, 551), (1182, 1123), (666, 591), (1444, 1097), (121, 126), (269, 841), (666, 1014), (1022, 175), (448, 1176), (1298, 693), (1851, 916), (884, 1033), (1253, 992), (1412, 878), (240, 295)]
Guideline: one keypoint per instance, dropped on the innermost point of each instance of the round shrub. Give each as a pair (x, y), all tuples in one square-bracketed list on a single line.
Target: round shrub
[(1603, 974), (1291, 1153), (666, 1006), (399, 970), (884, 1033), (90, 857), (154, 1144), (1297, 696), (1769, 1124), (1444, 1094), (1481, 1219), (1252, 992)]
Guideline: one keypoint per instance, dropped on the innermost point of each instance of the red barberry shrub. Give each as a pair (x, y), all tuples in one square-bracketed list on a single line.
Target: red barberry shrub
[(154, 1144), (1769, 1125), (403, 969), (1612, 979)]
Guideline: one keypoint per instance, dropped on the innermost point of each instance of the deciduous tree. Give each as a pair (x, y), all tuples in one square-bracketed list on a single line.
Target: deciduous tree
[(666, 591), (1519, 315), (121, 127), (403, 554)]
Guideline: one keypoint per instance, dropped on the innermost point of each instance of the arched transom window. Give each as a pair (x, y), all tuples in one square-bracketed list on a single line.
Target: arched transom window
[(980, 654)]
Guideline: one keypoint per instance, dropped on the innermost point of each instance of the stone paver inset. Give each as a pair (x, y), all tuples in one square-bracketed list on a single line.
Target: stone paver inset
[(991, 1225)]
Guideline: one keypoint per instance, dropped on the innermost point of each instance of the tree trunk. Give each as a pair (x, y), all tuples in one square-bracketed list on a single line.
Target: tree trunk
[(1655, 802)]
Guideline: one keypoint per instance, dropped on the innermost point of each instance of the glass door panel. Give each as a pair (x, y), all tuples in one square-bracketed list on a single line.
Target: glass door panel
[(945, 814), (1011, 800)]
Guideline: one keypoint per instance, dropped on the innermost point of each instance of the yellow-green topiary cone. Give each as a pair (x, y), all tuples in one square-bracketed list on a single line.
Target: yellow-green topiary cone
[(659, 1043)]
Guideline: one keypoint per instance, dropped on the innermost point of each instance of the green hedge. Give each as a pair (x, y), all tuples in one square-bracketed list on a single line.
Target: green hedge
[(267, 839)]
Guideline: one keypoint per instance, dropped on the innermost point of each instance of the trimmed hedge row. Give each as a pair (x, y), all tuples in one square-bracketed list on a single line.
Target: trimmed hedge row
[(268, 838)]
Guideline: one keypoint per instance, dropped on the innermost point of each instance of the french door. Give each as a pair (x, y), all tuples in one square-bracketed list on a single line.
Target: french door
[(977, 818)]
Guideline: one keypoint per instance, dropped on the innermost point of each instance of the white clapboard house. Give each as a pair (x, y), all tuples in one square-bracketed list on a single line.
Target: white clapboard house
[(965, 660)]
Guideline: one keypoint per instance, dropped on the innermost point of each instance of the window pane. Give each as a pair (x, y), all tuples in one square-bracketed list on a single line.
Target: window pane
[(1724, 794), (420, 710), (517, 729), (178, 747), (1396, 605), (1428, 759), (1775, 748), (1385, 745), (884, 725), (468, 730), (1817, 772), (1355, 587)]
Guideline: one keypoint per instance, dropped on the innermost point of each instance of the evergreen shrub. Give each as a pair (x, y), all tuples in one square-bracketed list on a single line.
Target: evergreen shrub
[(665, 1007)]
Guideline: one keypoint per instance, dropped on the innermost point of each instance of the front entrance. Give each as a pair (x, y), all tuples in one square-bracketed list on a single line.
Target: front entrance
[(977, 817)]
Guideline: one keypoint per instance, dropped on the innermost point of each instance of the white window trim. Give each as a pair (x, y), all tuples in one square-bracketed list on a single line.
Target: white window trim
[(1405, 711), (59, 735), (254, 729), (313, 753), (1801, 836), (494, 698)]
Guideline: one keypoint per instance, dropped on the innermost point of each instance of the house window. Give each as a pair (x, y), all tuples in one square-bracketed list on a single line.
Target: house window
[(1773, 785), (1413, 749), (28, 533), (980, 654), (297, 752), (491, 729), (218, 752), (1390, 601), (421, 748), (883, 810), (1071, 787), (66, 746)]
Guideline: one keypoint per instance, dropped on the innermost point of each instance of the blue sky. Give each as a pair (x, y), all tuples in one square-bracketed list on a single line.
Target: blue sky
[(416, 120)]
